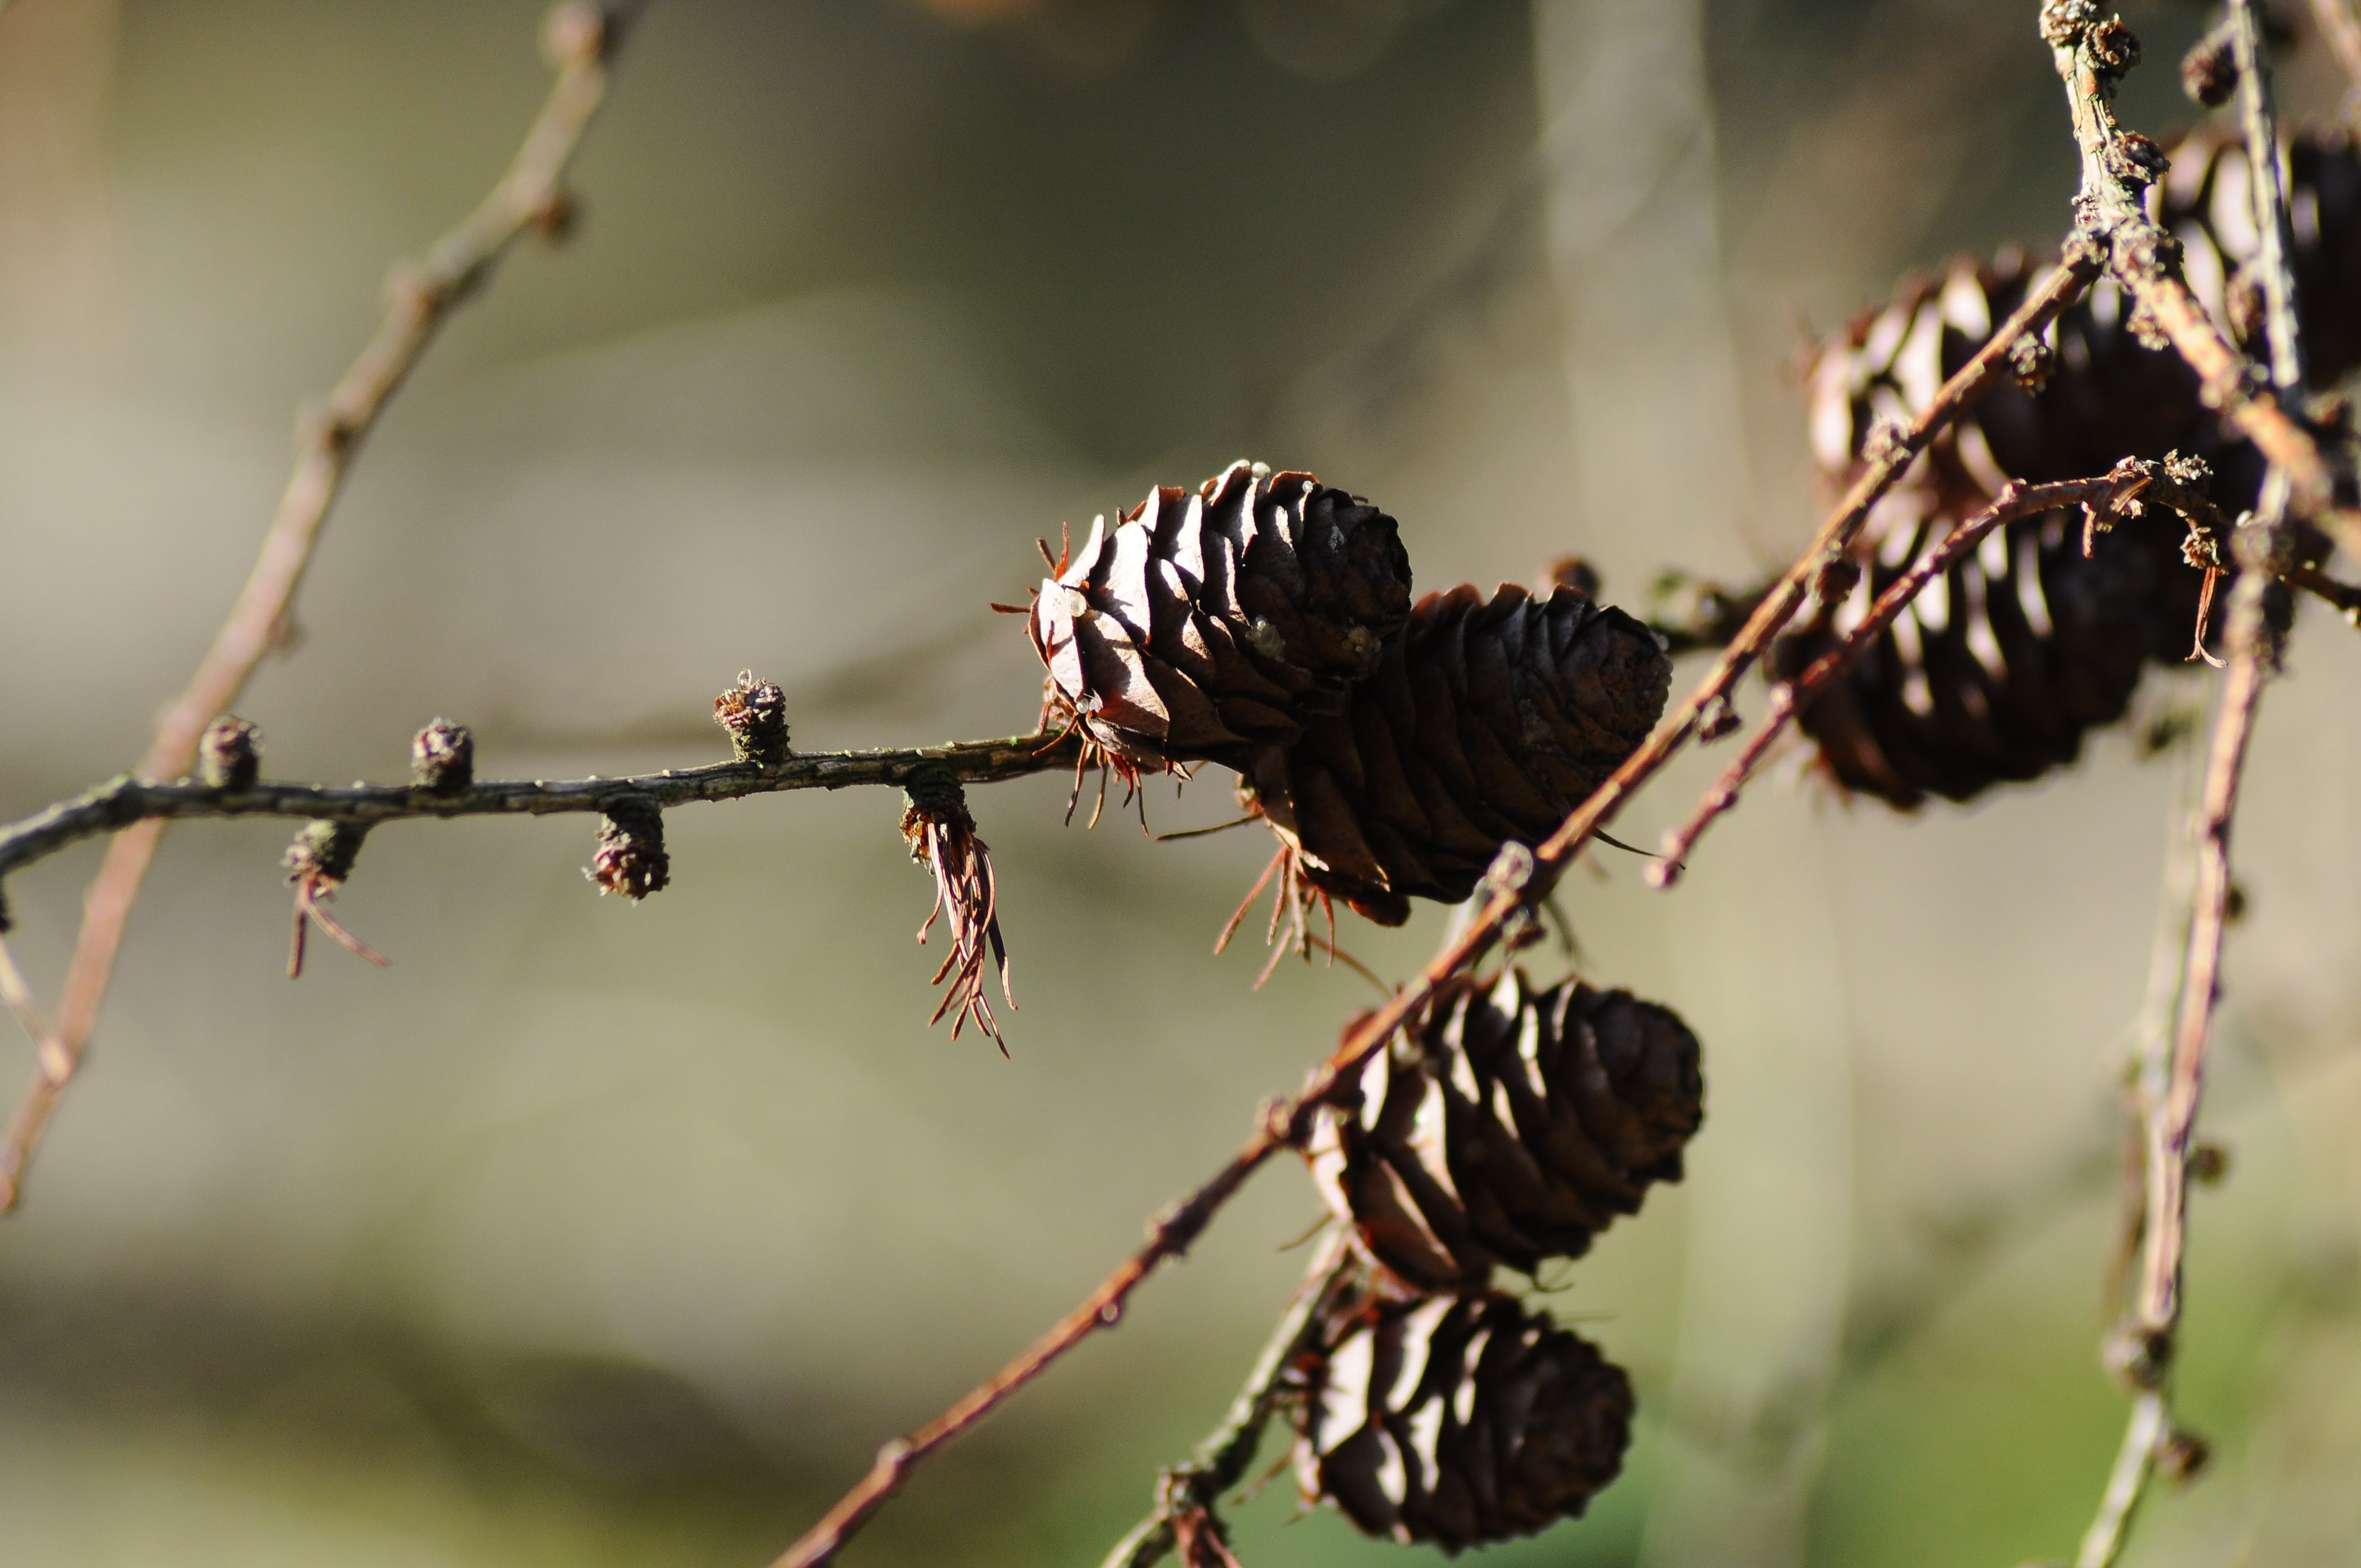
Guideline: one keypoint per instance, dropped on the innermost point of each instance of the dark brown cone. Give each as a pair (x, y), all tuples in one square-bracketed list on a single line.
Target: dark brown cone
[(1999, 671), (1484, 722), (1459, 1421), (1508, 1125), (1207, 624)]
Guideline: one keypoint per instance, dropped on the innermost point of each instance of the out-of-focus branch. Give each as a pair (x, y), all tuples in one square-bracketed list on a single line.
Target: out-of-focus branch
[(1220, 1462), (127, 800), (1520, 881), (581, 39), (2336, 24)]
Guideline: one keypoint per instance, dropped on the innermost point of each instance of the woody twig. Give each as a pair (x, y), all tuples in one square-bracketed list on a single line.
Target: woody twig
[(581, 39)]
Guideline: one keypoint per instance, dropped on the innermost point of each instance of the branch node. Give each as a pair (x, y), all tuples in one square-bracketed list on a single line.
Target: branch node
[(229, 755), (755, 714), (443, 758)]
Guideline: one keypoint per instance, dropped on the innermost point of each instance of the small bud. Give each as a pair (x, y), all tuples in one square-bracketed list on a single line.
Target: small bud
[(2244, 306), (2209, 72), (2063, 22), (1720, 722), (2234, 904), (2137, 1357), (2145, 330), (443, 758), (1887, 439), (2031, 360), (325, 851), (2136, 160), (229, 755), (2209, 1164), (1836, 579), (558, 219), (755, 714), (631, 858), (2182, 1456), (2113, 45)]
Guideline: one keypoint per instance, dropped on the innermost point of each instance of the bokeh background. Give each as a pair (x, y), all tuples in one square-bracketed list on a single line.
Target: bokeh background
[(602, 1235)]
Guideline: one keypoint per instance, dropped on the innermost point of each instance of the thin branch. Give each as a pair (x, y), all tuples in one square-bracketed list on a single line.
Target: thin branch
[(2345, 597), (2109, 211), (1519, 879), (1221, 1461), (2143, 1349), (581, 39), (120, 802), (2015, 499), (2134, 1460)]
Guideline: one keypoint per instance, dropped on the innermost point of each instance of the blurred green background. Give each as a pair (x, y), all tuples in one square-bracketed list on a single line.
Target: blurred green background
[(596, 1235)]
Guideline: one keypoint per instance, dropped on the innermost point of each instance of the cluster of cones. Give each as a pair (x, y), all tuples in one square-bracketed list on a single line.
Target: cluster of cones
[(2000, 669), (1264, 622), (1505, 1125)]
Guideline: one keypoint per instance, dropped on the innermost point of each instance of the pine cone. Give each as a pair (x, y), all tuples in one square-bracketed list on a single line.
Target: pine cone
[(1459, 1420), (1999, 670), (1484, 722), (1508, 1125), (1208, 624)]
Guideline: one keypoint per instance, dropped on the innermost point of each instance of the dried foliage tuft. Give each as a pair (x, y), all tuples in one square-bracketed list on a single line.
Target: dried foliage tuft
[(941, 834), (319, 863)]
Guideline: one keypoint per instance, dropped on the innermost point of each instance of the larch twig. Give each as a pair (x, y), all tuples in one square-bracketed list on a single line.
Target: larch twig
[(581, 39), (123, 801)]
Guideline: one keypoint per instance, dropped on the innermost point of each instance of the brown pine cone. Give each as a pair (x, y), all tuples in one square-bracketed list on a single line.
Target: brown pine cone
[(1459, 1421), (1483, 722), (1508, 1125), (1999, 670), (1210, 623)]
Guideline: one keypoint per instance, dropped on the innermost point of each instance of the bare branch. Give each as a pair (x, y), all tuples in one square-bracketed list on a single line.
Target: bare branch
[(123, 801), (581, 39), (2104, 1543), (2091, 57), (2343, 33)]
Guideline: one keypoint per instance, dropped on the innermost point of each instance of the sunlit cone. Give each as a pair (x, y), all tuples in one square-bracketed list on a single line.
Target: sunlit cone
[(1485, 722), (1506, 1126), (1459, 1421), (2003, 666), (1210, 622)]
